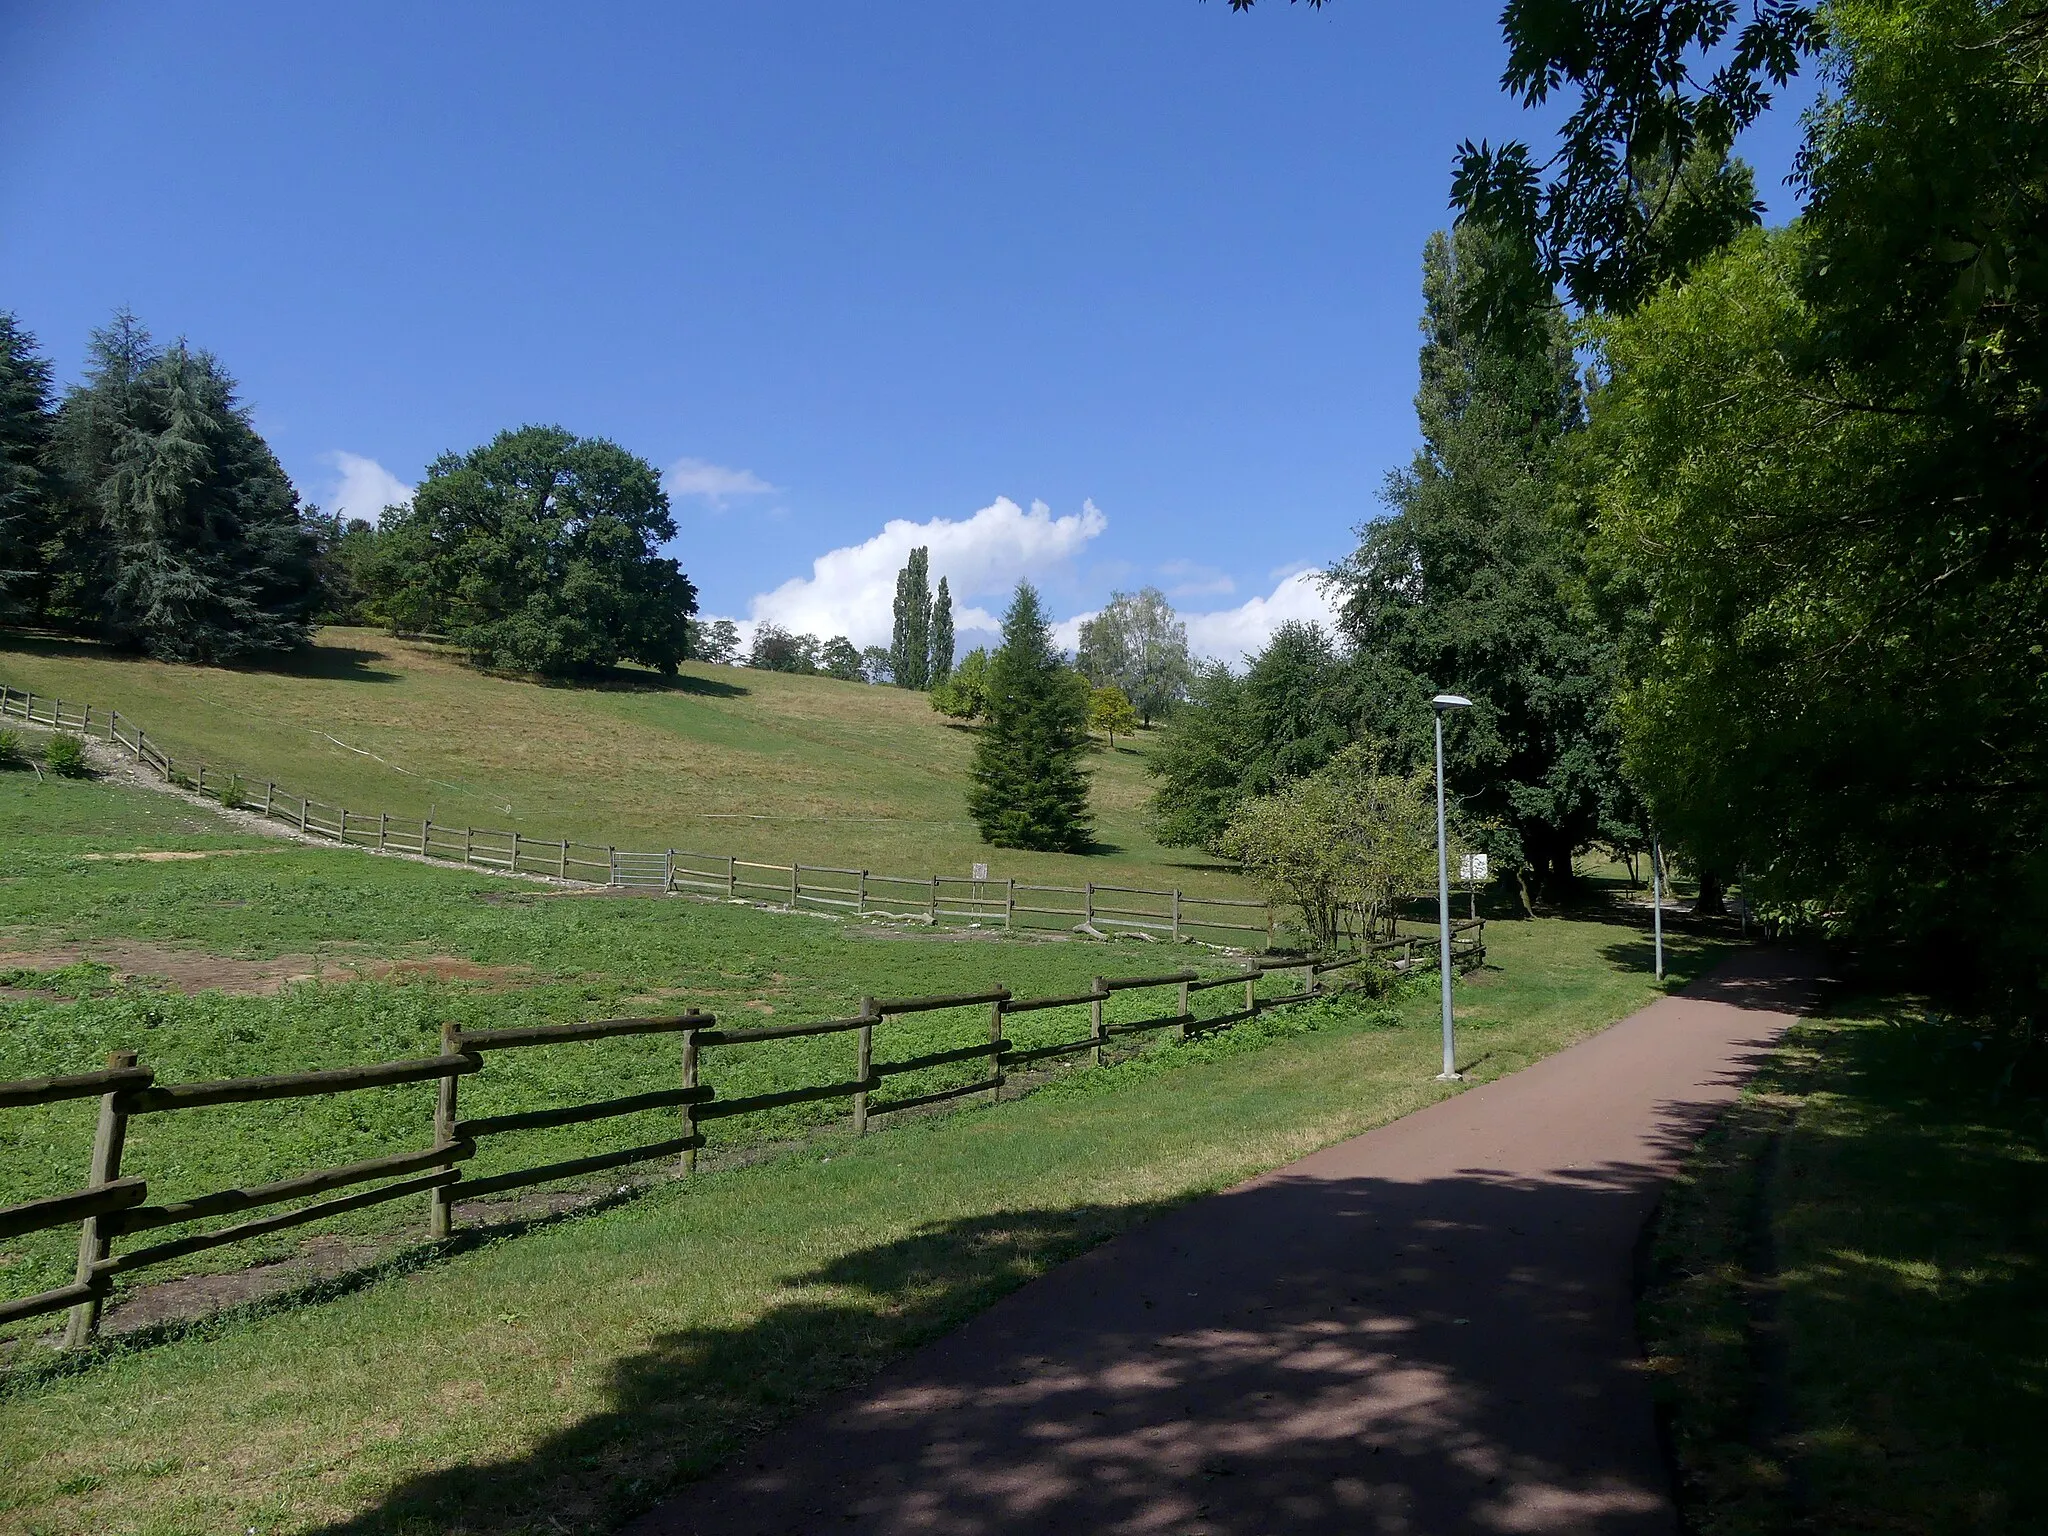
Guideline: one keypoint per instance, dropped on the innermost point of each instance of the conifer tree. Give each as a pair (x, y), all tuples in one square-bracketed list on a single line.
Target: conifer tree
[(1028, 787), (910, 638), (182, 536), (25, 490), (942, 637)]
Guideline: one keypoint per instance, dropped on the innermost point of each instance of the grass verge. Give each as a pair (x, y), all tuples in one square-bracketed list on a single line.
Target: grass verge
[(562, 1379), (1848, 1298)]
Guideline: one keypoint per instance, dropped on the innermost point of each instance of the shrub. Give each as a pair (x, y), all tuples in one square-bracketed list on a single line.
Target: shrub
[(11, 754), (65, 757)]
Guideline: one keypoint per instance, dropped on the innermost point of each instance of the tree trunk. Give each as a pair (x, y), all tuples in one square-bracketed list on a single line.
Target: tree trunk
[(1713, 900)]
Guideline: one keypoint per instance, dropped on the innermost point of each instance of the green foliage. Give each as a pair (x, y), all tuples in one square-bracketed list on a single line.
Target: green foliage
[(1820, 512), (11, 753), (717, 643), (1111, 713), (963, 693), (1029, 789), (875, 664), (838, 658), (538, 553), (25, 488), (1475, 586), (1293, 710), (181, 535), (775, 649), (1349, 838), (347, 552), (1138, 644), (910, 658), (64, 755), (941, 652)]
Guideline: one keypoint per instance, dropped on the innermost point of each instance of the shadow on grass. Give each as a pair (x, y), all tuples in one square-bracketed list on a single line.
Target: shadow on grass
[(1300, 1355), (1303, 1353), (1848, 1294), (339, 663)]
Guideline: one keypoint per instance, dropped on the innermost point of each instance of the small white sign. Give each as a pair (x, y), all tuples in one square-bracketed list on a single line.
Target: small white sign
[(980, 872), (1472, 867)]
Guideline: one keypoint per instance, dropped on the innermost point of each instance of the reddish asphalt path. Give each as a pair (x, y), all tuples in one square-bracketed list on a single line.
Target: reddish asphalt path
[(1428, 1328)]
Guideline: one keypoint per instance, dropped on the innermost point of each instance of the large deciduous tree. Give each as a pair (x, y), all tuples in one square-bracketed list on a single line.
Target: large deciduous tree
[(1474, 584), (1137, 643), (539, 552), (1028, 787)]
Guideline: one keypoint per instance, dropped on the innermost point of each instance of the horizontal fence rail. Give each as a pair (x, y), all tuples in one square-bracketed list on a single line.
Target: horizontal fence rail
[(115, 1205)]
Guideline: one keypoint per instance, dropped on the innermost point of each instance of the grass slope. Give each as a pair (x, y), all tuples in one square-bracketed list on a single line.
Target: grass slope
[(725, 761), (563, 1379), (1849, 1307)]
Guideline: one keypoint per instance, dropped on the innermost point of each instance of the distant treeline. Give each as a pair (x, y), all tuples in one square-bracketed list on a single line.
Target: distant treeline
[(144, 509)]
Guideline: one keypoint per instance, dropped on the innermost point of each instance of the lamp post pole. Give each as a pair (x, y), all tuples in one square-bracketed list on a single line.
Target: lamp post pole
[(1657, 899), (1440, 703)]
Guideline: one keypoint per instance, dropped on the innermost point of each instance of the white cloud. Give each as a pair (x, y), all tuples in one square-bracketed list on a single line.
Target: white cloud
[(364, 487), (1192, 580), (851, 591), (713, 482), (1234, 633)]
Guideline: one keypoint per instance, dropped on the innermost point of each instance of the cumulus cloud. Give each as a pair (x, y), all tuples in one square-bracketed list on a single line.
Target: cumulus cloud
[(1232, 634), (713, 483), (363, 488), (850, 591)]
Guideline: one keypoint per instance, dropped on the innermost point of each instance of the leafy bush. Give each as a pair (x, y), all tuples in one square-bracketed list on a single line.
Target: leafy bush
[(11, 754), (65, 757)]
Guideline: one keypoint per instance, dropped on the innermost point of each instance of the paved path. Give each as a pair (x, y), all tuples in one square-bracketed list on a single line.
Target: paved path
[(1428, 1328)]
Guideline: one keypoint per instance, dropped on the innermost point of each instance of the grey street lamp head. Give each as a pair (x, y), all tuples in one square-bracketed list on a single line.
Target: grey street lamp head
[(1451, 701)]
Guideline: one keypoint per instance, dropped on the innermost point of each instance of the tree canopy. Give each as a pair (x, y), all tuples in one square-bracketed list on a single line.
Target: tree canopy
[(1138, 644), (1028, 787), (539, 552)]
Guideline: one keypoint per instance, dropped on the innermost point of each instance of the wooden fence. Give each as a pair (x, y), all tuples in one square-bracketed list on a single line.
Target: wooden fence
[(1168, 914), (114, 1205)]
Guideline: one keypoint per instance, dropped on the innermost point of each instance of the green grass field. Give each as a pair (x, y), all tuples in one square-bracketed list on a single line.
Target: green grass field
[(581, 1367), (722, 760), (1849, 1302)]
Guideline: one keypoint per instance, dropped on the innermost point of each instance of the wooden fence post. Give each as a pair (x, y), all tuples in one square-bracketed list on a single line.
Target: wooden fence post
[(861, 902), (426, 836), (1100, 988), (1088, 903), (864, 1064), (732, 879), (467, 834), (995, 1055), (94, 1238), (441, 1201), (342, 835), (1009, 902), (689, 1111), (302, 814), (269, 795), (113, 724), (1251, 997), (668, 872), (934, 919), (383, 828), (792, 886), (514, 868), (1183, 1009), (1176, 920), (564, 873), (1308, 979)]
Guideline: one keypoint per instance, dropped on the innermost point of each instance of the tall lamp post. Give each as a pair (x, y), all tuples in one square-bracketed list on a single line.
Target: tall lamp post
[(1442, 702)]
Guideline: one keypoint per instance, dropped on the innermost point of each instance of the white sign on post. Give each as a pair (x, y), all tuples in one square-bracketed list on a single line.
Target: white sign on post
[(980, 873), (1472, 867)]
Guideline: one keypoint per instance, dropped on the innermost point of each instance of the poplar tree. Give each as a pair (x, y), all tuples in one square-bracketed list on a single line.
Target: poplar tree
[(910, 638), (942, 637), (1029, 789)]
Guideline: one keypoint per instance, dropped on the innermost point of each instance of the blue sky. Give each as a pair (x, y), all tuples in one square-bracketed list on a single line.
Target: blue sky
[(1103, 294)]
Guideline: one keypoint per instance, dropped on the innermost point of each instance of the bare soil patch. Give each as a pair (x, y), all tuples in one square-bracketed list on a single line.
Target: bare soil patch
[(193, 970)]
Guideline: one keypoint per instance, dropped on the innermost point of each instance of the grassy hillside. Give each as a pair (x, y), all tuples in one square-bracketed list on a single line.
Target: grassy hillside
[(582, 1367), (720, 760)]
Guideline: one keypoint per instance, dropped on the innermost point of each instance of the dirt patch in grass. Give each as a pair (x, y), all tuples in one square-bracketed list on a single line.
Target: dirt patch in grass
[(192, 971), (169, 856)]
